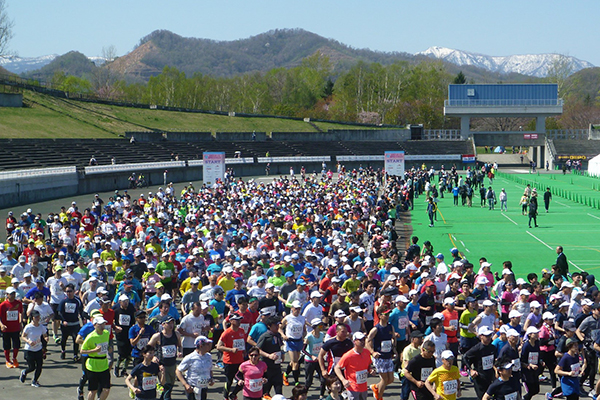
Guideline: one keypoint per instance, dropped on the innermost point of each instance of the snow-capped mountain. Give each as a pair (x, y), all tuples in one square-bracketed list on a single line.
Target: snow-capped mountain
[(18, 65), (526, 64)]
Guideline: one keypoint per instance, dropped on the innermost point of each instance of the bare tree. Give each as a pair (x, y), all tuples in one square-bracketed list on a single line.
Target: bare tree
[(558, 72), (6, 25), (109, 53)]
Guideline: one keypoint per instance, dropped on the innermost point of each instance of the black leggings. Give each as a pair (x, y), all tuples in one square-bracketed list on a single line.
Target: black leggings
[(309, 371), (35, 359), (532, 381), (274, 380), (230, 371), (549, 359), (66, 332)]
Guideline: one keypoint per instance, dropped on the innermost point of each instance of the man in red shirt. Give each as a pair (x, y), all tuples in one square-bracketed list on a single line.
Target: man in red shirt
[(451, 324), (11, 311), (356, 366), (31, 250), (232, 344)]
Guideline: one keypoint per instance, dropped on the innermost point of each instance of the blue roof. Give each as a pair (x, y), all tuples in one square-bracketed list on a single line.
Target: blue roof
[(503, 94)]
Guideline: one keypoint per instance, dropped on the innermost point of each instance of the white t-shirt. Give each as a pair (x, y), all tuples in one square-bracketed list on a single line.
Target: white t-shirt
[(440, 345), (57, 294), (34, 333), (191, 324), (311, 312), (44, 309)]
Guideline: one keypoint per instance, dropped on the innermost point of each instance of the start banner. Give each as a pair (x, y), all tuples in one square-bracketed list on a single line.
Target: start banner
[(213, 167), (394, 163)]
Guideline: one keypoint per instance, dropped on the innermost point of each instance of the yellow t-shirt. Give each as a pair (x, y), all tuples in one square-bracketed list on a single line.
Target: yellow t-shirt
[(447, 382), (226, 284)]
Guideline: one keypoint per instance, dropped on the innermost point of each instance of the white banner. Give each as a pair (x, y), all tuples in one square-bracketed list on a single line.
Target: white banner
[(242, 160), (293, 159), (213, 167), (394, 163), (359, 158), (433, 157)]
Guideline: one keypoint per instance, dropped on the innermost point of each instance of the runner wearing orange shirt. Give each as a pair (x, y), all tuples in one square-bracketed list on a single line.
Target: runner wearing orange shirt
[(354, 367)]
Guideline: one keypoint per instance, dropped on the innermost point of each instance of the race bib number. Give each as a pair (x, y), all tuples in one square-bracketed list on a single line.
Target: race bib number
[(296, 330), (361, 376), (425, 372), (386, 346), (428, 319), (516, 365), (142, 343), (511, 396), (415, 316), (110, 279), (203, 382), (168, 273), (487, 362), (278, 359), (454, 323), (245, 327), (576, 368), (149, 383), (239, 344), (533, 358), (124, 319), (169, 351), (103, 348), (255, 385), (70, 307), (450, 387), (334, 297), (12, 315), (317, 348), (402, 323)]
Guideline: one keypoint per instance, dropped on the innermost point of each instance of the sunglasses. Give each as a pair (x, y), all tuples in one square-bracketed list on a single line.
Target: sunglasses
[(253, 355)]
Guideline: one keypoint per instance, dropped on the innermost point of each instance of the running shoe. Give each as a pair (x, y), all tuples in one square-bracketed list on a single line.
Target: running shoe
[(9, 365), (23, 376), (15, 363), (35, 384), (266, 397), (396, 375), (549, 396), (63, 355), (464, 372), (375, 390), (285, 380)]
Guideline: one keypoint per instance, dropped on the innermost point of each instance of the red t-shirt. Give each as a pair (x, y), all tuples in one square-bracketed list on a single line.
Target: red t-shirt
[(9, 315), (451, 318), (88, 222), (109, 316), (237, 340), (356, 368), (29, 252)]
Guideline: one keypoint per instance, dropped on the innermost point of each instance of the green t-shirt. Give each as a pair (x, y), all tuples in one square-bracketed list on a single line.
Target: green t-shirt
[(97, 362), (465, 319), (83, 271), (277, 280), (351, 285), (167, 269)]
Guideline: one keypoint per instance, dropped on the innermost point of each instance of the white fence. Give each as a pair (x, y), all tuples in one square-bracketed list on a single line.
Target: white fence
[(293, 159), (242, 160), (102, 169), (360, 158), (29, 173), (408, 157)]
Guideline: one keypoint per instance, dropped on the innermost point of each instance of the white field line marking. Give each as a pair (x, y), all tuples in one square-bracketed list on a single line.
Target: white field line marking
[(593, 216), (575, 265), (563, 204), (511, 219), (545, 244)]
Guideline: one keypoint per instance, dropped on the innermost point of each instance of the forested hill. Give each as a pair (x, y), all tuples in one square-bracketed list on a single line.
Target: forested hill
[(274, 49)]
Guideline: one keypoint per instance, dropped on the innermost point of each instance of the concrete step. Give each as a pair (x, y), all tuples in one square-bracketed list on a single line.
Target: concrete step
[(503, 159)]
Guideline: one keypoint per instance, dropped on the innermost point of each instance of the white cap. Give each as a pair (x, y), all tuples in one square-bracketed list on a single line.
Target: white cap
[(506, 271), (488, 303), (484, 330), (532, 329), (586, 302), (99, 320), (279, 397), (514, 314), (413, 292), (547, 315), (340, 314), (564, 304), (165, 296), (485, 264), (535, 304), (402, 299), (10, 290), (512, 332), (315, 295), (449, 300), (482, 280), (439, 315), (504, 328), (296, 304), (524, 292), (447, 354), (566, 285), (358, 336), (123, 297), (395, 270)]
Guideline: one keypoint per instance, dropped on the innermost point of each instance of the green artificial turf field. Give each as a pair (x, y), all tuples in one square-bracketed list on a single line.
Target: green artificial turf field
[(501, 236)]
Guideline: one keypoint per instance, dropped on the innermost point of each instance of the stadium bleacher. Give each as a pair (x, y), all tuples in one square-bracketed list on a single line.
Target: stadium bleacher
[(42, 153)]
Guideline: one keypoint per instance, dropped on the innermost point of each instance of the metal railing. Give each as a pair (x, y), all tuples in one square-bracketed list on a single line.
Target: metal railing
[(441, 134), (503, 102), (34, 172), (294, 159), (579, 134)]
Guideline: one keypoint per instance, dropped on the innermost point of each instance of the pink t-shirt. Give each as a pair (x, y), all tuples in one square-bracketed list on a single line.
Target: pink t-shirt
[(333, 329), (507, 297), (253, 376)]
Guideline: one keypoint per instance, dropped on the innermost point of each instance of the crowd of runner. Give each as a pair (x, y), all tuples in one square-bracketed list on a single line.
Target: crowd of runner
[(302, 281)]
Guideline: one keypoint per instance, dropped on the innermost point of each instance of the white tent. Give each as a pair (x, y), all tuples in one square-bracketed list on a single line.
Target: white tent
[(594, 166)]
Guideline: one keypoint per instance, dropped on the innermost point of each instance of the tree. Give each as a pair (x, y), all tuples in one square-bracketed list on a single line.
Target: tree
[(6, 25), (558, 72), (109, 53), (460, 79)]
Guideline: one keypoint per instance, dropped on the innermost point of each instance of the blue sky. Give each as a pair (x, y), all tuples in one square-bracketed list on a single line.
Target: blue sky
[(490, 27)]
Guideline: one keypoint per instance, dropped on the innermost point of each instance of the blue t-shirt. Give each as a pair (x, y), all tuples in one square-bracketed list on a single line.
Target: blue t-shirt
[(395, 317), (31, 293), (86, 330), (172, 312), (233, 295), (569, 384), (413, 311), (134, 298), (133, 333), (257, 330), (152, 301), (219, 308), (498, 344)]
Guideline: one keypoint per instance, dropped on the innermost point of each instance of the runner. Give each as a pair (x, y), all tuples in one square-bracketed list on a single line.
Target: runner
[(251, 376), (418, 368), (11, 312), (354, 368), (443, 383), (95, 346), (145, 376), (480, 358), (168, 345), (293, 329), (198, 370), (312, 347), (270, 344), (381, 342), (33, 335), (232, 344)]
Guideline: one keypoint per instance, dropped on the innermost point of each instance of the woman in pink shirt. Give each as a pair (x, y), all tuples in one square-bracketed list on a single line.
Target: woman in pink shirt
[(253, 371)]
